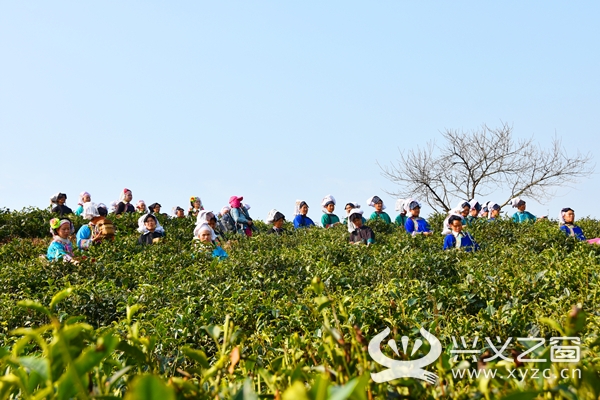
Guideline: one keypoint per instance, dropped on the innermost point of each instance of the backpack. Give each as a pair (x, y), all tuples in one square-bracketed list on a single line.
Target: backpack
[(104, 229)]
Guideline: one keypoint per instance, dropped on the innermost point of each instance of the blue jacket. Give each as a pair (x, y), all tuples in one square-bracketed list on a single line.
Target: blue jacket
[(573, 230), (302, 221), (418, 225), (466, 241), (59, 251)]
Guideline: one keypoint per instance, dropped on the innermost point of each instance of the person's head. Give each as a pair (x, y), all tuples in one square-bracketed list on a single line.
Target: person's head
[(224, 210), (141, 206), (84, 197), (212, 220), (179, 213), (303, 208), (235, 201), (155, 208), (62, 227), (150, 222), (356, 219), (205, 234), (102, 210), (494, 210), (278, 220), (330, 206), (61, 199), (518, 203), (377, 203), (414, 208), (455, 223), (475, 208), (127, 195), (465, 208), (568, 215), (195, 202), (348, 207)]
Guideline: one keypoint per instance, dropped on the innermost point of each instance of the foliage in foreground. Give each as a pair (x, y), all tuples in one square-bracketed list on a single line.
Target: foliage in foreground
[(287, 317)]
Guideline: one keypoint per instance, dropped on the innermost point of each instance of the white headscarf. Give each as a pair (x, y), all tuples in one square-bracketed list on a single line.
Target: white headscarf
[(54, 199), (113, 206), (204, 227), (515, 202), (297, 207), (246, 206), (461, 204), (400, 205), (371, 202), (407, 204), (351, 226), (224, 210), (491, 205), (90, 210), (271, 216), (327, 199), (142, 227), (474, 204), (446, 229), (202, 217)]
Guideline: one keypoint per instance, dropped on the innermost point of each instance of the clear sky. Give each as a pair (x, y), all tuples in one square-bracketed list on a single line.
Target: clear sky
[(279, 101)]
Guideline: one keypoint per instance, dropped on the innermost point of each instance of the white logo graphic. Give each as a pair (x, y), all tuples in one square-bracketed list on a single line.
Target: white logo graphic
[(404, 369)]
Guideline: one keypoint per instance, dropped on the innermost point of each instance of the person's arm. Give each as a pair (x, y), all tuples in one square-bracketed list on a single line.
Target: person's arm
[(79, 210), (325, 220), (409, 226), (297, 221), (516, 217), (386, 218), (373, 216), (370, 236)]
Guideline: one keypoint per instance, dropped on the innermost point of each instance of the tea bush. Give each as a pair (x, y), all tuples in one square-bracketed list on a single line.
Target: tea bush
[(290, 316)]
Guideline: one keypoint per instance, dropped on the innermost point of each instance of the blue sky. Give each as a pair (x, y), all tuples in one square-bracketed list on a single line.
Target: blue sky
[(278, 101)]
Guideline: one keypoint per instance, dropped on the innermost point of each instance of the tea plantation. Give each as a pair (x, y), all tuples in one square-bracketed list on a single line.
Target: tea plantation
[(291, 317)]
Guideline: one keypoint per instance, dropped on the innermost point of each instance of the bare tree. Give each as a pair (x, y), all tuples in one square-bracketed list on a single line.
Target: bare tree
[(479, 162)]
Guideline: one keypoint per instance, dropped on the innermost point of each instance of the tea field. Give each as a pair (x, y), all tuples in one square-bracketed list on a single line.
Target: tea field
[(291, 317)]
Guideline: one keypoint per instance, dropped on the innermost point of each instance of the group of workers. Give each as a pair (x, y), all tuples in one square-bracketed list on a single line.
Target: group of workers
[(211, 229)]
